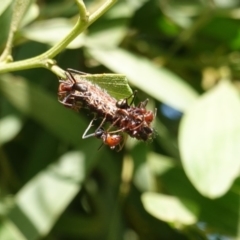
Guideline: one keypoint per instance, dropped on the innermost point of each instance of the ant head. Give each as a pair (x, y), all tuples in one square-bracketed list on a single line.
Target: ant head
[(99, 133), (74, 84), (122, 103)]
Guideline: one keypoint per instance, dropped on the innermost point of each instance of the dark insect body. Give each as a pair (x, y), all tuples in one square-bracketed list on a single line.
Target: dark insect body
[(135, 121), (85, 94)]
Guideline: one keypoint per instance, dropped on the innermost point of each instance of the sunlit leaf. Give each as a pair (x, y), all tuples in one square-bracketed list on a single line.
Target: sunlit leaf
[(157, 82), (31, 14), (115, 84), (52, 31), (4, 5), (46, 196), (9, 128), (169, 209), (210, 140), (5, 21), (9, 231), (177, 184)]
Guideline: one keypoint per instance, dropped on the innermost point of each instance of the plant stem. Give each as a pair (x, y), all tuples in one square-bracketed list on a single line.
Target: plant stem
[(44, 59), (20, 8)]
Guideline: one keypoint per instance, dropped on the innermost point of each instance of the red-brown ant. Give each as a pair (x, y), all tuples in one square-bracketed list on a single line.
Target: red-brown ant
[(135, 121), (109, 138), (67, 88)]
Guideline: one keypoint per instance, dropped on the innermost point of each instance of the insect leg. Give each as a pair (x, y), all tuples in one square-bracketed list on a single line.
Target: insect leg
[(84, 136), (70, 70)]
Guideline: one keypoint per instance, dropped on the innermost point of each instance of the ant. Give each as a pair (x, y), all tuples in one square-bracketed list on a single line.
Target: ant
[(109, 138), (67, 88)]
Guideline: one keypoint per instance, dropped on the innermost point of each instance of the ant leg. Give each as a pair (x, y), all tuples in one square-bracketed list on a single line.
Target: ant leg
[(96, 133), (122, 144), (100, 146), (138, 126), (123, 103), (143, 104), (155, 112), (134, 96), (66, 104), (71, 77), (103, 121), (66, 98), (113, 124), (70, 70), (84, 136)]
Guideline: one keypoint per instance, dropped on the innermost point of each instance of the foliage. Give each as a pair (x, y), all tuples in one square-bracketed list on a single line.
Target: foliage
[(184, 57)]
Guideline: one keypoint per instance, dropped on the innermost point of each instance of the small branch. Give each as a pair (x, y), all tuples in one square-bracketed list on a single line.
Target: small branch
[(43, 60), (101, 10), (19, 9)]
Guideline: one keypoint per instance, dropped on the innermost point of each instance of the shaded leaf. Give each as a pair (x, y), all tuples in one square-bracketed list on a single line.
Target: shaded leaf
[(30, 99), (210, 139)]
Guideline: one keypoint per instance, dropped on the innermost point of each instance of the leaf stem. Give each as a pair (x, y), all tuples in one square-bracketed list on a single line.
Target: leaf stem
[(45, 60)]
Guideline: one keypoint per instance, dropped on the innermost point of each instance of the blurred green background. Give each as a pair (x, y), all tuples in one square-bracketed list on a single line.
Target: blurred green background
[(184, 56)]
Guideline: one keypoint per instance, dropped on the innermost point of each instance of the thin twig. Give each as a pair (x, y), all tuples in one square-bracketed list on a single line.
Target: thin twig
[(45, 59)]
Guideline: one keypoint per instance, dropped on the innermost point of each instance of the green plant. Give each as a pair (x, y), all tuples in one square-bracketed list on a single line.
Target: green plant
[(183, 56)]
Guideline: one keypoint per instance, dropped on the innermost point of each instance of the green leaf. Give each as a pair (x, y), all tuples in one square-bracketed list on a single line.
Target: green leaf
[(4, 5), (38, 104), (9, 128), (51, 32), (169, 209), (177, 184), (43, 199), (8, 231), (157, 82), (115, 84), (47, 111), (210, 139), (156, 164), (5, 20), (31, 14)]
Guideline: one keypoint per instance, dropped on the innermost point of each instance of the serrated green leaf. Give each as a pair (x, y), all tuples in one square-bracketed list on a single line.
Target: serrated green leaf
[(170, 209), (210, 139), (157, 82), (115, 84)]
